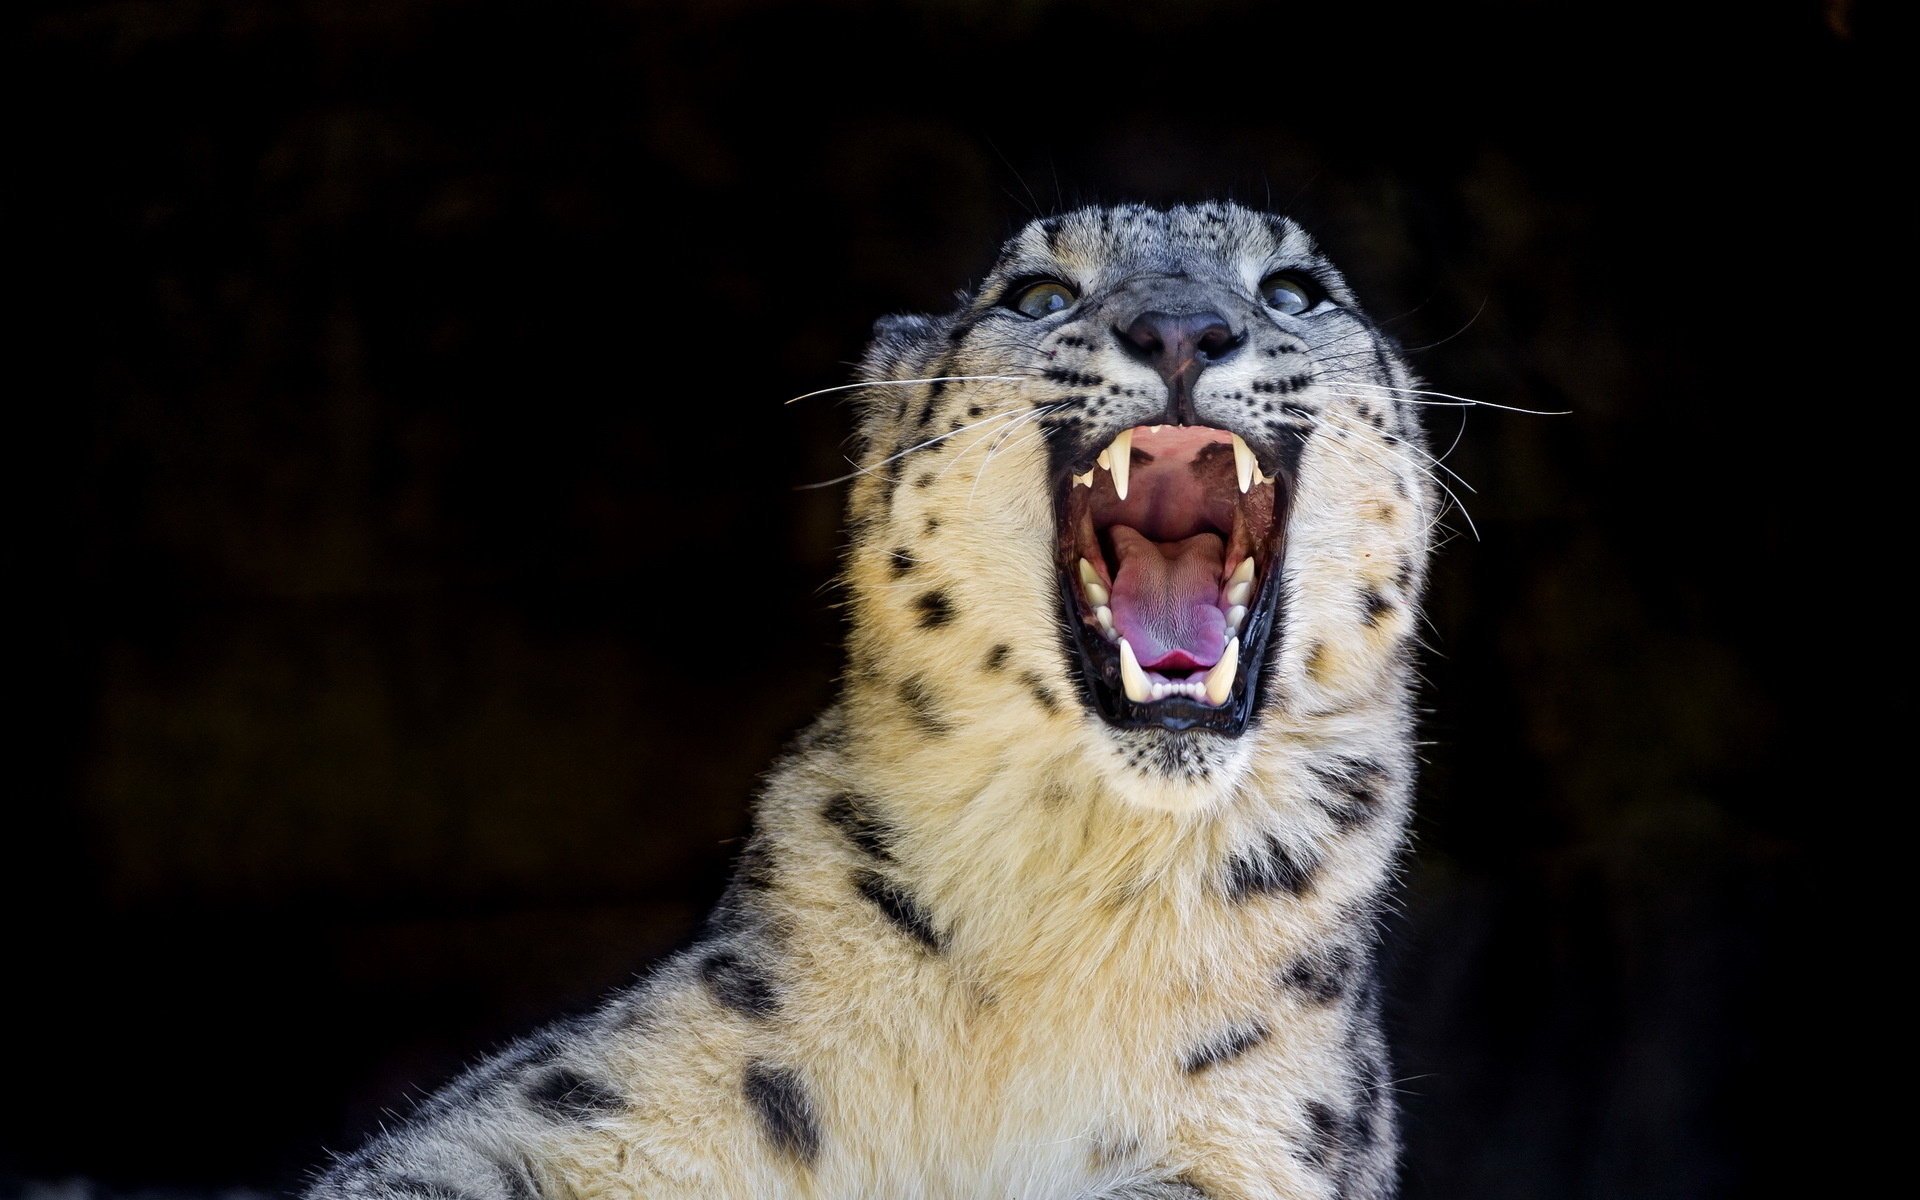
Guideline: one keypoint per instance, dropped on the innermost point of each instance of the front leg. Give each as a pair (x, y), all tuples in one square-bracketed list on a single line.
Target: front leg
[(1322, 1127)]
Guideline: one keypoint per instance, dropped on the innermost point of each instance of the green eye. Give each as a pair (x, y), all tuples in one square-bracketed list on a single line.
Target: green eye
[(1043, 298), (1287, 293)]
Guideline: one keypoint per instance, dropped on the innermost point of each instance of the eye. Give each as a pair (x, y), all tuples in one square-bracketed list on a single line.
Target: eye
[(1041, 298), (1289, 293)]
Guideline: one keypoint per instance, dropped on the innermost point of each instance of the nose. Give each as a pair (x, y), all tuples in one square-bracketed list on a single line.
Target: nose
[(1179, 347)]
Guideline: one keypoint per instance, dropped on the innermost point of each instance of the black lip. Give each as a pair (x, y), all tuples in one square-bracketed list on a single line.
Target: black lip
[(1095, 662)]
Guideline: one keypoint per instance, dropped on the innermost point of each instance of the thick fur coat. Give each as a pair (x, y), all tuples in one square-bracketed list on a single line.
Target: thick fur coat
[(985, 941)]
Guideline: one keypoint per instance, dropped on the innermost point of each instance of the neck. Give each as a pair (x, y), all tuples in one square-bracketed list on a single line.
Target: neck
[(1040, 848)]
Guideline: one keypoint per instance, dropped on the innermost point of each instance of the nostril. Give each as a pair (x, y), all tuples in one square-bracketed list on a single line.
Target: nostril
[(1217, 342), (1142, 339)]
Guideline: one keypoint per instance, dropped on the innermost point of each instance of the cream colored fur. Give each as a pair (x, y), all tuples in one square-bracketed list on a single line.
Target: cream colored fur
[(1091, 939)]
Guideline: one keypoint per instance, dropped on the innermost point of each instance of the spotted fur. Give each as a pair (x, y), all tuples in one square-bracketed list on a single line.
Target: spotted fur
[(982, 942)]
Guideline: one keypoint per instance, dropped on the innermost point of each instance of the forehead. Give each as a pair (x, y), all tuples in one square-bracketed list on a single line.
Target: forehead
[(1134, 238)]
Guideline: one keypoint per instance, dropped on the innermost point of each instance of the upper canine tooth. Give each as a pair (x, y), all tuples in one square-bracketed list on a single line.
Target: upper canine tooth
[(1134, 680), (1122, 460), (1242, 573), (1085, 481), (1244, 464), (1091, 585), (1220, 679)]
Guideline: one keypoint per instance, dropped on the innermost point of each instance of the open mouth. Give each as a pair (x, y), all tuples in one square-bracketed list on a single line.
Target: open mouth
[(1170, 547)]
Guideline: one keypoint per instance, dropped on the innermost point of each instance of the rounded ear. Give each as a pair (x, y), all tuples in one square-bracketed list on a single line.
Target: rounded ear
[(902, 326), (897, 341)]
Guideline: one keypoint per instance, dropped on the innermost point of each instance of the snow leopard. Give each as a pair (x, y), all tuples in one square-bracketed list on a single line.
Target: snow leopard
[(1075, 890)]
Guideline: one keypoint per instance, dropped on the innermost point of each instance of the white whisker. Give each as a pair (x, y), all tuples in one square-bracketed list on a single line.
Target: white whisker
[(1448, 400), (859, 470), (848, 387)]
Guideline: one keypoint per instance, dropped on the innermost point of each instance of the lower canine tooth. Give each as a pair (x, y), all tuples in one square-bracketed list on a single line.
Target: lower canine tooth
[(1243, 463), (1220, 679), (1120, 452), (1134, 681)]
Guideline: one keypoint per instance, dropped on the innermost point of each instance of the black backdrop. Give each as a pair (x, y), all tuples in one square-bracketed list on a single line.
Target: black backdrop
[(421, 581)]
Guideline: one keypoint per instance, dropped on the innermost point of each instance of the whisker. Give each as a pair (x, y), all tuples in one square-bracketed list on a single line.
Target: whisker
[(859, 470), (1001, 440), (1449, 400), (1359, 446), (848, 387), (1477, 314), (1017, 416)]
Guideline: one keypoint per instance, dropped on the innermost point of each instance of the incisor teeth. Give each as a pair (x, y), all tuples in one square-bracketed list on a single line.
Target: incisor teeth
[(1244, 464), (1091, 585), (1242, 573), (1238, 593), (1133, 679), (1085, 481), (1220, 679), (1121, 454), (1235, 615), (1105, 461), (1261, 477)]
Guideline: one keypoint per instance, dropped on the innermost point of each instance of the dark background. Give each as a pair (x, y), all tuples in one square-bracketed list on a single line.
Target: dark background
[(419, 582)]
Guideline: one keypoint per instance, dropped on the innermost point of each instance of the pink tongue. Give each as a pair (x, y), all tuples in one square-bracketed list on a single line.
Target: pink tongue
[(1166, 599)]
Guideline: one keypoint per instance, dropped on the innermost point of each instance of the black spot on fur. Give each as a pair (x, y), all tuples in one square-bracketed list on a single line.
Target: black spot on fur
[(935, 610), (853, 816), (1326, 1135), (920, 706), (1229, 1045), (1072, 378), (924, 480), (1352, 795), (1041, 693), (997, 657), (567, 1095), (1374, 606), (898, 906), (1269, 867), (779, 1100), (932, 526), (739, 984), (1320, 978), (901, 560)]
